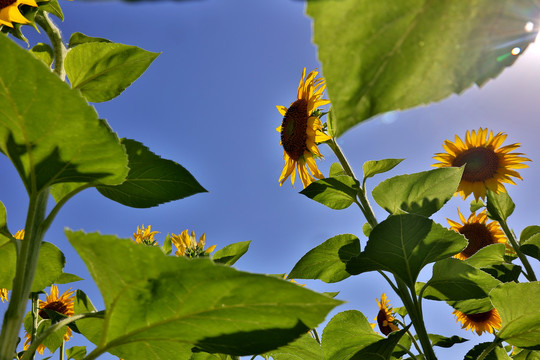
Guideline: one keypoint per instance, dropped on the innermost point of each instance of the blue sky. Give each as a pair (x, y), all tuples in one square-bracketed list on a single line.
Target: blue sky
[(208, 103)]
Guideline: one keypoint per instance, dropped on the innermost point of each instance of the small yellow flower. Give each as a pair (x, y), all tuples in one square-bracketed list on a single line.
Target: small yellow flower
[(145, 236), (62, 304), (301, 130), (487, 321), (188, 246), (9, 12), (384, 318), (487, 164), (478, 232), (3, 294)]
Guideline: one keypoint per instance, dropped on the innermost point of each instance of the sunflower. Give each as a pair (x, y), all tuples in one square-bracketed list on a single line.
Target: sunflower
[(301, 130), (486, 321), (478, 232), (62, 305), (188, 246), (384, 318), (487, 164), (145, 236), (9, 12)]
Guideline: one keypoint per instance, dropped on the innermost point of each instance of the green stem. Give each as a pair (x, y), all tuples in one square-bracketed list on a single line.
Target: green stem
[(49, 219), (530, 273), (421, 332), (24, 274), (59, 50), (35, 319), (489, 349), (62, 352), (366, 207), (316, 336)]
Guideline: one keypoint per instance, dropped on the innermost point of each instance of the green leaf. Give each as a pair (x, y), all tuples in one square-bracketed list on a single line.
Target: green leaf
[(50, 263), (102, 70), (453, 279), (43, 52), (3, 222), (504, 272), (76, 352), (327, 262), (336, 169), (476, 205), (78, 38), (496, 354), (231, 253), (167, 245), (346, 334), (528, 232), (472, 306), (422, 193), (53, 7), (389, 55), (66, 278), (404, 244), (445, 342), (182, 304), (527, 355), (77, 146), (151, 180), (374, 167), (489, 255), (305, 347), (336, 192), (51, 342), (500, 206), (531, 246), (366, 229), (519, 309)]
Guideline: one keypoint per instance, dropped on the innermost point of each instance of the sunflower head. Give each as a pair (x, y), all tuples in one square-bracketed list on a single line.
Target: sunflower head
[(62, 304), (487, 164), (10, 13), (145, 236), (488, 321), (188, 246), (384, 318), (478, 232), (301, 130)]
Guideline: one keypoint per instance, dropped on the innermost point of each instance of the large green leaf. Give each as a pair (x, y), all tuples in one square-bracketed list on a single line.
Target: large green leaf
[(404, 244), (346, 334), (422, 193), (163, 307), (386, 55), (327, 262), (305, 347), (519, 309), (151, 180), (335, 192), (453, 279), (49, 131), (102, 70)]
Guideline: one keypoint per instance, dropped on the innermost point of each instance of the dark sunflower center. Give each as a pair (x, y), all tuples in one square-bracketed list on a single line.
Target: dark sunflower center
[(6, 3), (293, 129), (382, 321), (480, 317), (478, 235), (481, 163), (57, 306)]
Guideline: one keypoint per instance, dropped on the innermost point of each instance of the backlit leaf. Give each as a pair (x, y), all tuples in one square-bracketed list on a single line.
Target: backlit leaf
[(183, 305), (336, 192), (374, 167), (386, 55), (231, 253)]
